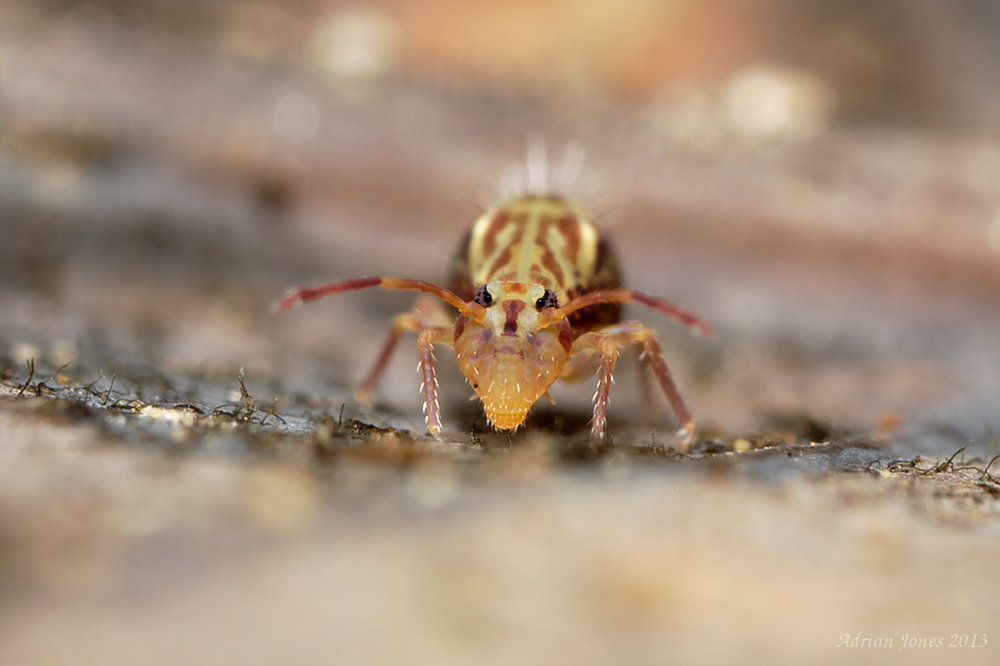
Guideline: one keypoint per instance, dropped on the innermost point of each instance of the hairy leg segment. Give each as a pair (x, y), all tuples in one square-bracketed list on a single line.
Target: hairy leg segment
[(607, 343)]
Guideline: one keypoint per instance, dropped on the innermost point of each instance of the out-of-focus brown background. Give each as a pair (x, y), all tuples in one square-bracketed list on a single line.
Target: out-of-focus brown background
[(820, 180)]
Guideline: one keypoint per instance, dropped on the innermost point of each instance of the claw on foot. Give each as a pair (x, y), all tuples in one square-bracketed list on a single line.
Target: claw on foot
[(686, 435)]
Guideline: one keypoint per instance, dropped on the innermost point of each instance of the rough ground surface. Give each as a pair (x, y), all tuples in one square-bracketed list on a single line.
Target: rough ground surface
[(185, 479)]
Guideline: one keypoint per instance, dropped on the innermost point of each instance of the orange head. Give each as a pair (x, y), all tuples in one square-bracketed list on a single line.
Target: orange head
[(512, 348)]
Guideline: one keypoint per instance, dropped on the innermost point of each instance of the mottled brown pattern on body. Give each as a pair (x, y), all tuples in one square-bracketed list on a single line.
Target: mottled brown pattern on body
[(542, 278), (501, 262), (569, 228), (551, 264), (607, 275), (500, 220), (567, 255)]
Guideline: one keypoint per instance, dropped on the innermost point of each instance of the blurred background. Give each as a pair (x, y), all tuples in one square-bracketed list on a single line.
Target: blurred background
[(821, 180)]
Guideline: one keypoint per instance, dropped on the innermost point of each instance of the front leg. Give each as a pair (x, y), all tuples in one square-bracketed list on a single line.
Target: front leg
[(586, 344), (428, 375)]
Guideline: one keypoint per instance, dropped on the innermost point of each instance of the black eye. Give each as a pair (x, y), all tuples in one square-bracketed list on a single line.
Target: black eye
[(483, 297), (548, 300)]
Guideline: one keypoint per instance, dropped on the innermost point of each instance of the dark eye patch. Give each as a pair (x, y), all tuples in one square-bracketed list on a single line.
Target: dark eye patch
[(483, 296), (548, 300)]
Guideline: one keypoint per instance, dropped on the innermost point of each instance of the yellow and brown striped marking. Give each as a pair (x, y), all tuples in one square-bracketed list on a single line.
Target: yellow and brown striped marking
[(540, 240)]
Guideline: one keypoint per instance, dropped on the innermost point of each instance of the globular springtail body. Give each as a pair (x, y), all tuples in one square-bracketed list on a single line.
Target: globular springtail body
[(538, 294)]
